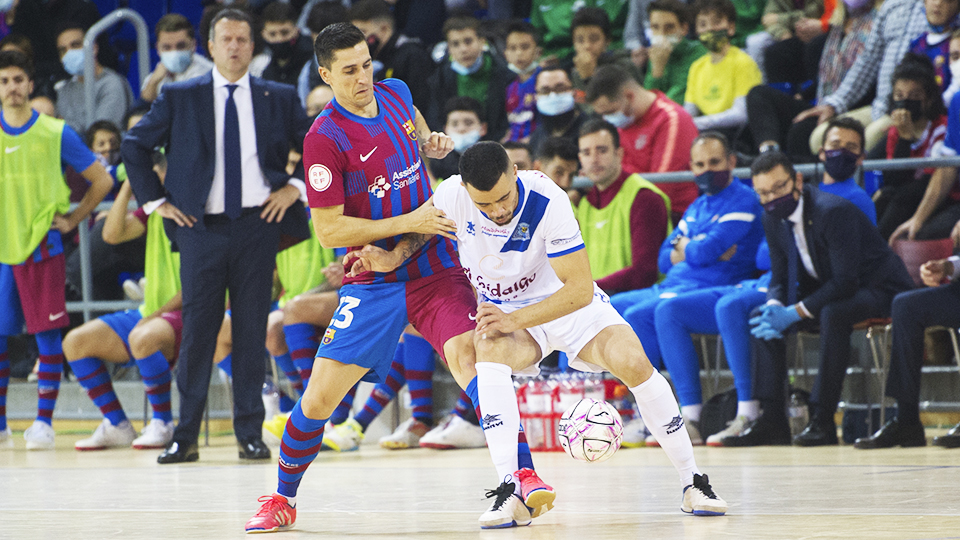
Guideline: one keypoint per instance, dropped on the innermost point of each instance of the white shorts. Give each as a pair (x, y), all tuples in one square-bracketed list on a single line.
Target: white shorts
[(571, 333)]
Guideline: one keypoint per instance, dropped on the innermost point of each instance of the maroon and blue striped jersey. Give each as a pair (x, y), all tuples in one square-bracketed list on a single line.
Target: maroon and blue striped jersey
[(373, 167)]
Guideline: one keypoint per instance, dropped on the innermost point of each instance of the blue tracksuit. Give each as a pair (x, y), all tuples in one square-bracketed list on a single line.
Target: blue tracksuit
[(713, 224)]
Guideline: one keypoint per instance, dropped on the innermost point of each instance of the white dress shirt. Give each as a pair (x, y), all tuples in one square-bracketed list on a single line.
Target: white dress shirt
[(255, 186), (800, 237)]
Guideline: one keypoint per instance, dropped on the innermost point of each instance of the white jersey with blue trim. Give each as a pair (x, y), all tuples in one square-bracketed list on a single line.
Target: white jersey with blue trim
[(511, 263)]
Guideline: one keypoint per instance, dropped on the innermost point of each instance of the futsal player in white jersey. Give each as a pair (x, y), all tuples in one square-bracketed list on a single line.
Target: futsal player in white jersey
[(520, 245)]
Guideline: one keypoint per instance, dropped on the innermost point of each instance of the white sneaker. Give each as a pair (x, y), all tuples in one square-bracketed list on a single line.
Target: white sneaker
[(734, 428), (271, 400), (507, 509), (457, 434), (39, 436), (343, 437), (156, 434), (692, 430), (635, 433), (407, 435), (700, 500), (108, 435), (6, 439)]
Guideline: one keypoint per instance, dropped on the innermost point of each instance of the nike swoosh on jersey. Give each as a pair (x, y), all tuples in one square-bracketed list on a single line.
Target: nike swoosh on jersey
[(364, 158), (12, 149), (55, 316), (600, 224)]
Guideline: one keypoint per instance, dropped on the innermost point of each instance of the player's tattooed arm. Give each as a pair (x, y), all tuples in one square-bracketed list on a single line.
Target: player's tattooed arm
[(374, 259)]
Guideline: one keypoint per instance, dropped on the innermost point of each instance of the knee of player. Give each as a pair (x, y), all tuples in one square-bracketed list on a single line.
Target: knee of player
[(143, 342), (73, 344), (276, 339)]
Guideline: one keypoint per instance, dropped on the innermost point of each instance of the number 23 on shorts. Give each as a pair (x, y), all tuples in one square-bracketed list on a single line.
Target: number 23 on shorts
[(344, 315)]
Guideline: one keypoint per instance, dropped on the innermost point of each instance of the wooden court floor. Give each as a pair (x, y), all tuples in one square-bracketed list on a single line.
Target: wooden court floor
[(775, 493)]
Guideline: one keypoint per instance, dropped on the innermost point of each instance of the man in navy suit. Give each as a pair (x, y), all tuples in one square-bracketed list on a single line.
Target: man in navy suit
[(830, 266), (227, 199)]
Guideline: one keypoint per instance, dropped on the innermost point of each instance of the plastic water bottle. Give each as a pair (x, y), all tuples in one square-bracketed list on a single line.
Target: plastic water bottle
[(798, 414)]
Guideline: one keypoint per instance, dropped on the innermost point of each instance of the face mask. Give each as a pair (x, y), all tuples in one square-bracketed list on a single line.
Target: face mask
[(857, 5), (913, 106), (714, 41), (712, 182), (840, 164), (6, 5), (657, 40), (619, 119), (955, 72), (467, 70), (73, 61), (176, 61), (518, 71), (283, 49), (111, 158), (462, 141), (782, 207), (373, 42), (555, 104)]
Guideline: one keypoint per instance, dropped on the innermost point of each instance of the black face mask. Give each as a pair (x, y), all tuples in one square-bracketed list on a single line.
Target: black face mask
[(782, 207), (712, 182), (373, 42), (913, 106), (840, 164), (714, 40), (283, 49)]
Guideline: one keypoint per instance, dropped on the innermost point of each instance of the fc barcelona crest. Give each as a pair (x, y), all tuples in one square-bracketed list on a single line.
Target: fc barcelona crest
[(328, 336), (410, 129)]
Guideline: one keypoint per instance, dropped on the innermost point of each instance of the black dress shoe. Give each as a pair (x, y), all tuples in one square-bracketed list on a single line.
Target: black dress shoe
[(893, 433), (253, 449), (179, 452), (817, 433), (950, 440), (764, 431)]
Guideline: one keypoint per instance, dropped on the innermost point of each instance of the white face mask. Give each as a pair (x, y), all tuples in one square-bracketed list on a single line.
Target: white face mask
[(955, 72), (659, 39), (555, 104), (462, 141)]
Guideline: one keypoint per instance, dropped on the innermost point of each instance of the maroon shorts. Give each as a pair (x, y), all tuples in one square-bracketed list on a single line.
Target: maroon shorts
[(175, 318), (41, 289), (442, 306)]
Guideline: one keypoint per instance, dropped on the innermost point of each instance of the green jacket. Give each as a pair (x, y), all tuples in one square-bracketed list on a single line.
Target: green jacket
[(552, 19), (673, 83), (749, 13)]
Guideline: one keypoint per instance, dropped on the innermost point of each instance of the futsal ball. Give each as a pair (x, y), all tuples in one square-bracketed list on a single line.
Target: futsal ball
[(590, 431)]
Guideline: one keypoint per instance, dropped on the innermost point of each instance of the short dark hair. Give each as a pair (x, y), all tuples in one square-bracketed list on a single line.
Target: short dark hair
[(769, 161), (482, 165), (278, 12), (462, 103), (551, 66), (558, 147), (139, 110), (678, 8), (846, 122), (608, 81), (714, 136), (597, 125), (517, 145), (919, 69), (520, 26), (461, 22), (100, 125), (18, 41), (723, 8), (336, 37), (175, 22), (371, 10), (591, 16), (230, 14), (17, 59), (323, 14)]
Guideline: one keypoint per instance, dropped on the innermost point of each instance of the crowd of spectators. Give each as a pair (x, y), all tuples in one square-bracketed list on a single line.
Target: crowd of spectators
[(603, 91)]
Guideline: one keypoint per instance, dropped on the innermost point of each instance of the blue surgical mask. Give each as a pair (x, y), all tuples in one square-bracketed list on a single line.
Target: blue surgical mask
[(6, 5), (554, 104), (467, 70), (176, 61), (73, 61), (462, 141), (619, 119)]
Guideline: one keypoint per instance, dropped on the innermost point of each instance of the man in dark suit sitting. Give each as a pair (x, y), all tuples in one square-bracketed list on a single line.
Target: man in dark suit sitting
[(227, 199), (830, 266)]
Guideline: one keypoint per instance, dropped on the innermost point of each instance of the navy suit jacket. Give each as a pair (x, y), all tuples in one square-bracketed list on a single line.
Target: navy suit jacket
[(182, 120), (847, 251)]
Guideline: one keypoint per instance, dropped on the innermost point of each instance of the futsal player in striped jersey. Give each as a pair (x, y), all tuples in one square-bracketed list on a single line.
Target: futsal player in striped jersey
[(367, 184), (34, 211)]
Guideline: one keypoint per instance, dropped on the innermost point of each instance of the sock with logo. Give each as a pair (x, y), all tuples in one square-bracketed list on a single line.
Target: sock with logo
[(501, 419), (661, 414), (301, 441), (302, 344), (418, 366), (383, 392), (93, 377), (50, 347)]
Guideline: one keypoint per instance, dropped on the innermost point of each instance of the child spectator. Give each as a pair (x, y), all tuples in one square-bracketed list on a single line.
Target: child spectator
[(590, 31), (521, 52), (552, 18), (103, 138), (919, 128), (718, 83), (464, 125), (935, 42), (289, 50), (671, 53), (470, 71)]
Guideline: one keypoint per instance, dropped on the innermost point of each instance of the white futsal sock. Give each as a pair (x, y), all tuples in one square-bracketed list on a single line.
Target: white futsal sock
[(750, 409), (691, 413), (662, 415), (501, 416)]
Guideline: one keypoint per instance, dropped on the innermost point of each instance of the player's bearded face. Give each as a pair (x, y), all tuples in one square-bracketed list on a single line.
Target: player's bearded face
[(499, 203)]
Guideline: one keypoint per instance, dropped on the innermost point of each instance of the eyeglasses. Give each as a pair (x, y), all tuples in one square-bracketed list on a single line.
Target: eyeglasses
[(778, 188), (559, 89)]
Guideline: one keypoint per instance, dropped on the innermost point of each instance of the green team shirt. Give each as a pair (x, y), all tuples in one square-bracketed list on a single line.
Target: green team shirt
[(161, 268), (32, 187), (552, 19), (673, 83), (299, 267), (608, 246)]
